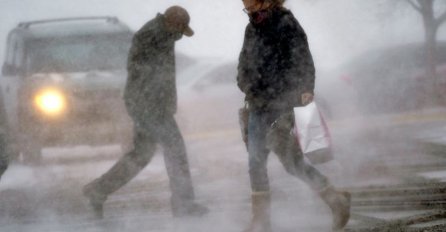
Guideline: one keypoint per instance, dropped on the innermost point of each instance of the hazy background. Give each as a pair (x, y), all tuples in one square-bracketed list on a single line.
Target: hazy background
[(336, 29)]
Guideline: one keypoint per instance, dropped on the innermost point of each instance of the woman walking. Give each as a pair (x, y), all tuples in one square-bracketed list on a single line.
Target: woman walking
[(276, 72)]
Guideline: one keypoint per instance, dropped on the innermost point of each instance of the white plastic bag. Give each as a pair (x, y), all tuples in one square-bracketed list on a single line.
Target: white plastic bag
[(312, 133)]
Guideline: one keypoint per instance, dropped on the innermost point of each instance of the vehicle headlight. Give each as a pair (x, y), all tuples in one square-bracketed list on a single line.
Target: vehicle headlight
[(51, 102)]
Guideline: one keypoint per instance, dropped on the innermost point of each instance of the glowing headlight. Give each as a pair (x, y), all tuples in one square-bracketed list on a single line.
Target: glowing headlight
[(50, 101)]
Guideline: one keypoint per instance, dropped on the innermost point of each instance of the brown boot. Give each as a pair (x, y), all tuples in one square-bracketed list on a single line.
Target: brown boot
[(339, 203), (261, 207)]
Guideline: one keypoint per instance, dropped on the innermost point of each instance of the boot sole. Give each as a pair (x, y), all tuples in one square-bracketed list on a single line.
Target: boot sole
[(346, 210)]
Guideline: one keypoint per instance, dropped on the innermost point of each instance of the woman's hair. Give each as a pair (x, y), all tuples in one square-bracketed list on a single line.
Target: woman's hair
[(273, 2)]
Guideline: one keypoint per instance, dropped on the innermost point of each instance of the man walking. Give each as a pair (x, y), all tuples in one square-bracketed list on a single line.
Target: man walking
[(150, 98)]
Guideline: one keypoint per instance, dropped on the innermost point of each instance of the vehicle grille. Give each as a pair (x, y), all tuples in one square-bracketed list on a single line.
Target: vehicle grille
[(93, 95), (96, 106)]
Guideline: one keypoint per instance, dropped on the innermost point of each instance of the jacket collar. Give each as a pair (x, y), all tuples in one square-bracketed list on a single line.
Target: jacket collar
[(266, 18)]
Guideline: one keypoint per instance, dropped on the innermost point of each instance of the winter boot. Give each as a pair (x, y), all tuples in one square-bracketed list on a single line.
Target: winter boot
[(96, 200), (261, 207), (183, 208), (339, 203)]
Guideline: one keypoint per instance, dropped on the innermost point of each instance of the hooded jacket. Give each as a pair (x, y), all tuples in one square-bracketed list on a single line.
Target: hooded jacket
[(150, 91), (275, 64)]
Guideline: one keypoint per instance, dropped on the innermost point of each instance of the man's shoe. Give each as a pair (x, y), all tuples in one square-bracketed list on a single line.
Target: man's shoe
[(190, 209), (95, 199)]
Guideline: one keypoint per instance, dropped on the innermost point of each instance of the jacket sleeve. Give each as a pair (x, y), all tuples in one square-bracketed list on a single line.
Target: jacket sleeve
[(137, 69), (299, 70), (243, 75), (136, 53)]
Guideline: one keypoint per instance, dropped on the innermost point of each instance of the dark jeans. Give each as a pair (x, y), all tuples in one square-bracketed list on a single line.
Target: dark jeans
[(147, 134), (286, 148)]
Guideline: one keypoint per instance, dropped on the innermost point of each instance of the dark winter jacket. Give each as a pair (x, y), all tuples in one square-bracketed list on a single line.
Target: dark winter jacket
[(275, 64), (150, 92)]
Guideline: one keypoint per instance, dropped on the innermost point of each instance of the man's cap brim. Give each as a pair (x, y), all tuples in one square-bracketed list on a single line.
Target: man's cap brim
[(188, 32)]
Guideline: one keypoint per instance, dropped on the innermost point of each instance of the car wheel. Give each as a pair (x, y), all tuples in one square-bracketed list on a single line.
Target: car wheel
[(13, 154)]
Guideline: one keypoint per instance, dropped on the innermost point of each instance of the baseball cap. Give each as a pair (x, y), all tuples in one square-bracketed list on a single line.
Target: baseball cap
[(179, 18)]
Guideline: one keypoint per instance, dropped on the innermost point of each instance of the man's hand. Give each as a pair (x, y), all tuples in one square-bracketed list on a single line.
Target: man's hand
[(307, 98)]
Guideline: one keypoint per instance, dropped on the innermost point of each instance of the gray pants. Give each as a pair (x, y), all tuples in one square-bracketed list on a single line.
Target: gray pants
[(147, 134)]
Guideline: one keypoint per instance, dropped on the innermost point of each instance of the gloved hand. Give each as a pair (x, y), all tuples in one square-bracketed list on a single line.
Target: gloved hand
[(307, 98)]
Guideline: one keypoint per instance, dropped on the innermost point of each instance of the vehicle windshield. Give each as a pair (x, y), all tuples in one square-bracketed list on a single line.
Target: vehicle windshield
[(78, 54)]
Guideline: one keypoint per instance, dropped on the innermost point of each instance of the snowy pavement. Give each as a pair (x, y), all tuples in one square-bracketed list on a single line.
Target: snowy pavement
[(401, 175), (48, 197), (377, 164)]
